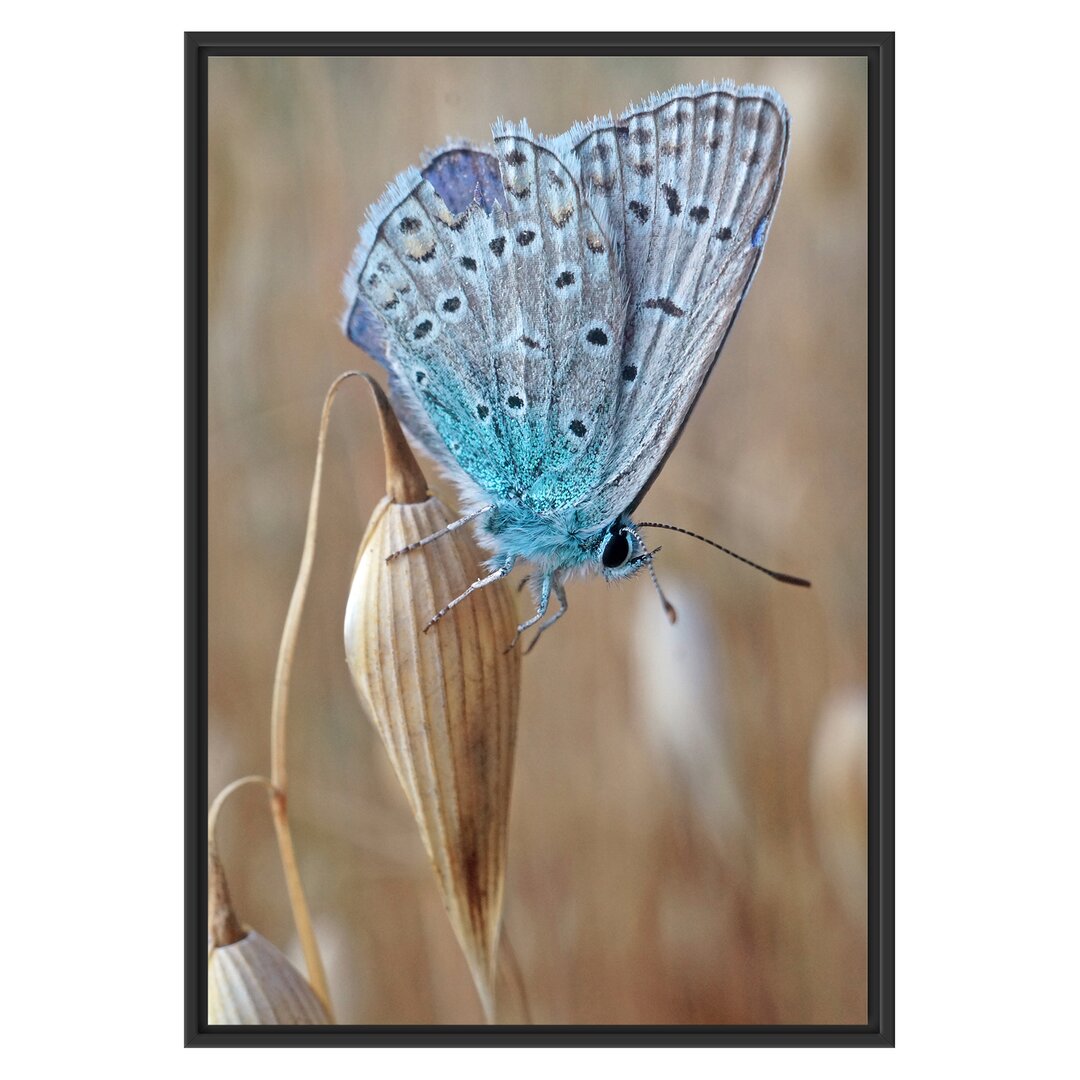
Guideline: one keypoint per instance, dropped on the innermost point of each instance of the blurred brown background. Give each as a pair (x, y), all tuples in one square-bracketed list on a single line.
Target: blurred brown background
[(688, 834)]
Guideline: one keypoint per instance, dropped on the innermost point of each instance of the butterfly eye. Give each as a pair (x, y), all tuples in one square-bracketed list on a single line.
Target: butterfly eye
[(616, 551)]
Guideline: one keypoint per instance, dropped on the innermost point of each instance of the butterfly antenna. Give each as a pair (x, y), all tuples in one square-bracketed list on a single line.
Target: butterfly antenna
[(669, 607), (787, 579)]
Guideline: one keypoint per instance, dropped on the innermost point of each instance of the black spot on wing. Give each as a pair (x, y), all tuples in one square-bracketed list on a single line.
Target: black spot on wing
[(668, 307)]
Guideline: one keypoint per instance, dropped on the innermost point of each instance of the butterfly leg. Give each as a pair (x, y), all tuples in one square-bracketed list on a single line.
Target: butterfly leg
[(480, 583), (541, 610), (560, 592), (441, 533)]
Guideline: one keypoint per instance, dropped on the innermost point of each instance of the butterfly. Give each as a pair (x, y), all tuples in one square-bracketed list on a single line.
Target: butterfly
[(549, 310)]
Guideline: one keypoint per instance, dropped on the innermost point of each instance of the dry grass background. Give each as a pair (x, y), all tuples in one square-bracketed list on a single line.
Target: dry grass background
[(688, 834)]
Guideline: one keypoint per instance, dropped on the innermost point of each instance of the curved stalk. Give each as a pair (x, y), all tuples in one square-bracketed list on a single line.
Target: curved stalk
[(278, 710), (225, 927)]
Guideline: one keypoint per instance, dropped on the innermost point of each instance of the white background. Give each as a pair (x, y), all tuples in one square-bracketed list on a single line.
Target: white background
[(92, 433)]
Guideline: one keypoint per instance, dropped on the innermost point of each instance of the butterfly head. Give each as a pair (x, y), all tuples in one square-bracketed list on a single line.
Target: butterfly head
[(620, 553)]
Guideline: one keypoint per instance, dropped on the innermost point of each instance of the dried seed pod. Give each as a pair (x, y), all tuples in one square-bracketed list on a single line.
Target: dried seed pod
[(249, 981), (444, 701)]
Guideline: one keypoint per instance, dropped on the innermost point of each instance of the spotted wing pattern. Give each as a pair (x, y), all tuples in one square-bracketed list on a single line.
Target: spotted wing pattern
[(501, 323), (550, 309), (689, 182)]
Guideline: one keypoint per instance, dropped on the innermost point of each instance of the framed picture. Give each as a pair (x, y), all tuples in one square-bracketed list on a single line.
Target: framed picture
[(668, 819)]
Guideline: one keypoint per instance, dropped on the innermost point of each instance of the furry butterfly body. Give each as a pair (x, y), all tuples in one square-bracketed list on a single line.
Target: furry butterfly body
[(549, 310)]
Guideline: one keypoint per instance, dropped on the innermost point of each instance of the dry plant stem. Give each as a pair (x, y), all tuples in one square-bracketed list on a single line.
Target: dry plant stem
[(225, 928), (278, 708), (517, 979), (300, 910), (223, 794)]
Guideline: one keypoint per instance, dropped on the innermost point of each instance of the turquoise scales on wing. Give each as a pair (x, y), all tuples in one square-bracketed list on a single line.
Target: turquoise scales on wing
[(549, 309)]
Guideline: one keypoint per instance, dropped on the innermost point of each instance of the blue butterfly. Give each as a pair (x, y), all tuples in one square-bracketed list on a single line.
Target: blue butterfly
[(549, 310)]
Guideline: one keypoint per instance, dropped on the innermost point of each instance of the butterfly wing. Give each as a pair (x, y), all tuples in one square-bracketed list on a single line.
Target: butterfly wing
[(689, 182), (487, 287)]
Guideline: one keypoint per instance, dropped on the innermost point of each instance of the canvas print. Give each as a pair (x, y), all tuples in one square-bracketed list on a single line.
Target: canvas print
[(537, 540)]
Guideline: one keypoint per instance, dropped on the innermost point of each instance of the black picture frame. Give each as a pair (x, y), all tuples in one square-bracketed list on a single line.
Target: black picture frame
[(878, 49)]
